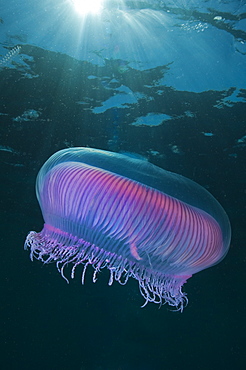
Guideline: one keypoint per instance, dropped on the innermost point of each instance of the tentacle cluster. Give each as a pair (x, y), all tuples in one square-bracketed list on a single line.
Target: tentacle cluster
[(154, 287)]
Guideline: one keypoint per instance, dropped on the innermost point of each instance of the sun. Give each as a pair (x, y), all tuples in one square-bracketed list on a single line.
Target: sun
[(87, 6)]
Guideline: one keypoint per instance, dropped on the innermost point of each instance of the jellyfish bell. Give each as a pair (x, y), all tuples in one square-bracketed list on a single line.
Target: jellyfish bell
[(110, 210)]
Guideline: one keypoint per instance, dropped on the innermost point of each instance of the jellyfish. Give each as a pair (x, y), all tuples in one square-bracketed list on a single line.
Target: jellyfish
[(109, 210)]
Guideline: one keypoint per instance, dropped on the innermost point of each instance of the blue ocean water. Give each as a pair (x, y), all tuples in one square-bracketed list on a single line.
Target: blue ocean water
[(164, 81)]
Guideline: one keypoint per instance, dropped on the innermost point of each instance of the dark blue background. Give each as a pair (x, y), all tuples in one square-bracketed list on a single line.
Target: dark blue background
[(46, 323)]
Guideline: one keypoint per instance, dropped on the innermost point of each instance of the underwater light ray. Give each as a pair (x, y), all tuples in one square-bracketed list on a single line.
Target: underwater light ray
[(84, 6)]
